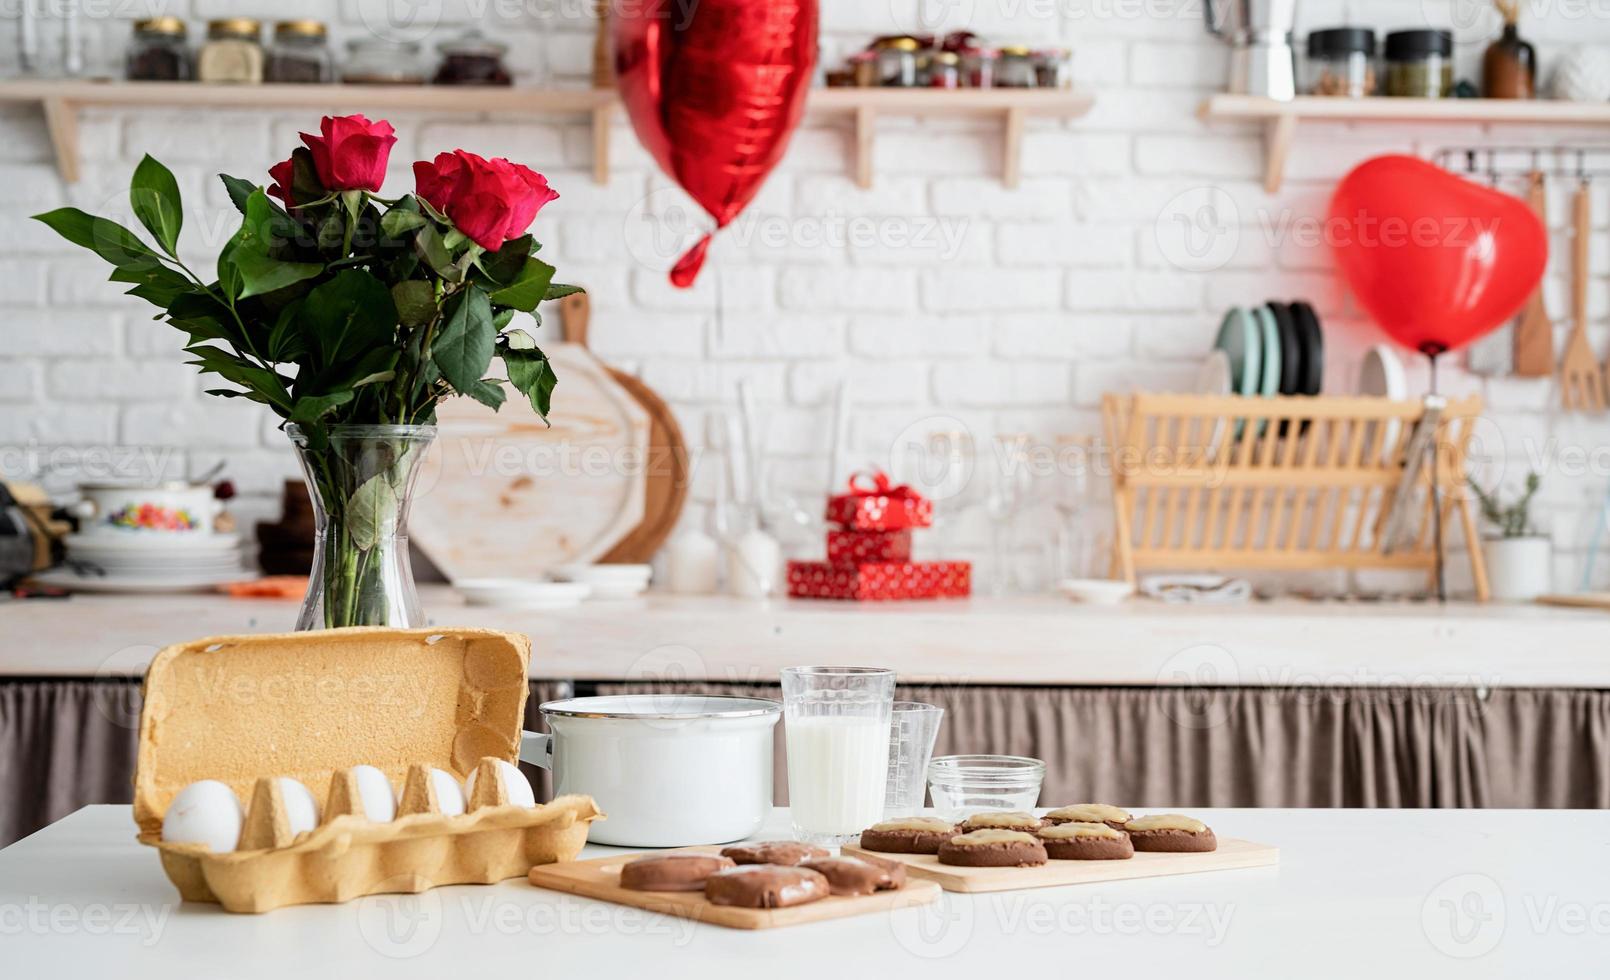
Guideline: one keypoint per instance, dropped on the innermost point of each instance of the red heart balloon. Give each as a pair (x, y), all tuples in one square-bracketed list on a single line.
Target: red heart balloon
[(714, 90), (1435, 259)]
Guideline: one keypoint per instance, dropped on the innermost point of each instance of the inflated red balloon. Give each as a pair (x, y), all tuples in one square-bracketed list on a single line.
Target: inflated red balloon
[(1435, 259), (714, 90)]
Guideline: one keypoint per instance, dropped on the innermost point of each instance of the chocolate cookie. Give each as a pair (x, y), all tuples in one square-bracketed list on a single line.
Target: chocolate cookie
[(1028, 823), (784, 852), (1113, 816), (859, 876), (992, 848), (1085, 842), (765, 886), (1172, 832), (911, 835), (672, 872)]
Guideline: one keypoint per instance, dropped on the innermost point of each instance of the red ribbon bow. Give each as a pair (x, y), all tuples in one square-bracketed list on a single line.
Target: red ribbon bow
[(880, 486)]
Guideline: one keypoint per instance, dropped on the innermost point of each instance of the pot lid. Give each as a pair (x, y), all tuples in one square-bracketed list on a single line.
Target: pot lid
[(657, 707)]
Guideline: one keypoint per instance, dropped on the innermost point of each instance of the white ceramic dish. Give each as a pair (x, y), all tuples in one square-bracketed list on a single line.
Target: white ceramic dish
[(125, 542), (639, 574), (522, 593), (1382, 375), (66, 578), (671, 770), (1095, 591), (163, 509)]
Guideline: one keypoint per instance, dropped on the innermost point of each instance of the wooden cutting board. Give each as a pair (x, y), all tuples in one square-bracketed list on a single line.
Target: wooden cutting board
[(503, 495), (600, 879), (1578, 600), (1232, 854)]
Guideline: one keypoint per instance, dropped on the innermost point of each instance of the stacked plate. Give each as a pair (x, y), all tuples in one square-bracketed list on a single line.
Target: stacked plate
[(1274, 349), (516, 593), (608, 581), (139, 561)]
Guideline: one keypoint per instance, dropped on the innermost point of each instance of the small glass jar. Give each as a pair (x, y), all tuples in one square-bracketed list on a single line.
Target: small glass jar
[(1053, 68), (1419, 64), (962, 785), (944, 70), (157, 52), (978, 67), (373, 61), (472, 59), (1015, 68), (1341, 62), (897, 62), (300, 53), (233, 52), (864, 69)]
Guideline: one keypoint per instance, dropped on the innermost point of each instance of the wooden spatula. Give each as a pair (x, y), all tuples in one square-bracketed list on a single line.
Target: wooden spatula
[(1534, 335), (1581, 381)]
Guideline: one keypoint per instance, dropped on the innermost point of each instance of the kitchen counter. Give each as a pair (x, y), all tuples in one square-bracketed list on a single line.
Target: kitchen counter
[(1427, 894), (1026, 640)]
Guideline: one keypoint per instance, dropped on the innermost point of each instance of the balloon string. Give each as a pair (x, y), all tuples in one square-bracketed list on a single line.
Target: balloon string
[(1436, 498)]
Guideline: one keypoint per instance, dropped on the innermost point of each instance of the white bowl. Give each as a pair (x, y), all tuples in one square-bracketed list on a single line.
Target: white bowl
[(522, 593), (612, 574), (1095, 591)]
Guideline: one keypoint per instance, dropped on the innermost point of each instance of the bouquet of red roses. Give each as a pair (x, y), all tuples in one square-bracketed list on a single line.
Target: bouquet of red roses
[(336, 306)]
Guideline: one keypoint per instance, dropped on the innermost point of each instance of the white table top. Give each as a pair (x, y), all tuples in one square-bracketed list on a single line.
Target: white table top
[(1019, 640), (1393, 893)]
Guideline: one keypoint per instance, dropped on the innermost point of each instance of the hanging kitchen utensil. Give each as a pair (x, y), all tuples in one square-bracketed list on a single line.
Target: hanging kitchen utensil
[(1534, 335), (668, 471), (1581, 380)]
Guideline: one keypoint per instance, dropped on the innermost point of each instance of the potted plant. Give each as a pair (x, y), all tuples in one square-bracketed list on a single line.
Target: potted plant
[(351, 315), (1519, 558)]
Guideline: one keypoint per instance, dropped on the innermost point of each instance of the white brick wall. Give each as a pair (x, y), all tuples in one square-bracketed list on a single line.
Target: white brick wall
[(944, 298)]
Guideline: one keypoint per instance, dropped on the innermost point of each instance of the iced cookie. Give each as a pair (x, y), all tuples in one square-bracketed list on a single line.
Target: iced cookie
[(1113, 816), (765, 886), (784, 852), (1173, 832), (672, 872), (859, 876), (911, 835), (993, 848), (1075, 841), (1011, 820)]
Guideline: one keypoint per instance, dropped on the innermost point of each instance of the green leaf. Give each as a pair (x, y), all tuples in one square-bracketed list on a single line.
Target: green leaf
[(431, 248), (415, 300), (463, 349), (154, 195), (239, 190), (250, 254), (285, 339), (397, 222), (349, 316), (106, 238), (529, 370), (311, 408), (528, 289), (488, 393), (559, 291), (370, 511), (270, 386), (504, 265), (156, 284)]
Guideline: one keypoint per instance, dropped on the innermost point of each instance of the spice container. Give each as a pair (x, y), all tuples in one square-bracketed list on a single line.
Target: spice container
[(897, 61), (300, 53), (864, 69), (157, 52), (1015, 68), (1509, 66), (233, 52), (1341, 61), (1053, 68), (1419, 64), (978, 67), (372, 61), (962, 785), (944, 70), (472, 59)]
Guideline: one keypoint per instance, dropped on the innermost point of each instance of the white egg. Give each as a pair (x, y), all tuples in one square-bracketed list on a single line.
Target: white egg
[(514, 782), (300, 806), (205, 812), (449, 794), (375, 793)]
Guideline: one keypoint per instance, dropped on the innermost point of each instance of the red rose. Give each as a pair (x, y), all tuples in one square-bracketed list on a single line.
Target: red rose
[(490, 201), (281, 188), (352, 153)]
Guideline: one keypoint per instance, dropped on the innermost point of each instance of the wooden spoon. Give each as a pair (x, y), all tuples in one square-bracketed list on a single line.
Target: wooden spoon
[(1534, 335), (1581, 381)]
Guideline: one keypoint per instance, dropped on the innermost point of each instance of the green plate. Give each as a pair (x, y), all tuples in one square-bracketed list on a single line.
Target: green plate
[(1269, 330), (1240, 340)]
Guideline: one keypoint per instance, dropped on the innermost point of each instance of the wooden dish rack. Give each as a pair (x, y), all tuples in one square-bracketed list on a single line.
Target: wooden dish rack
[(1206, 482)]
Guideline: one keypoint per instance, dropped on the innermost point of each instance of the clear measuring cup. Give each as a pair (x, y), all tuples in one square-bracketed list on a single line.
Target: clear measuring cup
[(912, 732)]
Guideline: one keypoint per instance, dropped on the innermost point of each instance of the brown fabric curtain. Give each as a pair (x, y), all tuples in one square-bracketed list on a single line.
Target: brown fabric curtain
[(68, 743)]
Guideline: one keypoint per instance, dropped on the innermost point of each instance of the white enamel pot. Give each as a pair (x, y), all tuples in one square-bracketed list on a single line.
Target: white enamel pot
[(667, 770)]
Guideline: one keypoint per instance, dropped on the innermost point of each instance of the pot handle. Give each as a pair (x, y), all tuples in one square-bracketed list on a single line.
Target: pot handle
[(536, 749)]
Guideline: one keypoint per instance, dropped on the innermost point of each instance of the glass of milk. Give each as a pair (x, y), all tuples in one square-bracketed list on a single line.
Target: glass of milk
[(836, 722)]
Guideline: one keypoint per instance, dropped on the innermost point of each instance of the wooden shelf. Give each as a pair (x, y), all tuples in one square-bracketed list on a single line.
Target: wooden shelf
[(1280, 118), (61, 101)]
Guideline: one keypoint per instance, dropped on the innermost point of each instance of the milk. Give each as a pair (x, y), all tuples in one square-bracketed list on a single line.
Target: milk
[(838, 770)]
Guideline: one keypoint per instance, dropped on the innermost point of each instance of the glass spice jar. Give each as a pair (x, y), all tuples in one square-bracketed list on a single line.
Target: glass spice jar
[(944, 70), (978, 67), (1015, 68), (233, 52), (472, 59), (864, 69), (897, 61), (157, 52), (1341, 61), (1053, 68), (1419, 64), (300, 53), (374, 61)]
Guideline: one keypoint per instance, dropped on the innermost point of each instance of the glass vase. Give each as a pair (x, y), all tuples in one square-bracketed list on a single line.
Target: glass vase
[(361, 480)]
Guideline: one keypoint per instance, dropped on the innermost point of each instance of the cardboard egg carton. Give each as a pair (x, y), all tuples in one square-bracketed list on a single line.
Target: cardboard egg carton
[(310, 706)]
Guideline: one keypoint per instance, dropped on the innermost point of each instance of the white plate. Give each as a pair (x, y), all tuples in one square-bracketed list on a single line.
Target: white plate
[(522, 593), (66, 578), (598, 574), (1095, 591), (608, 590), (148, 543), (1382, 375), (166, 569)]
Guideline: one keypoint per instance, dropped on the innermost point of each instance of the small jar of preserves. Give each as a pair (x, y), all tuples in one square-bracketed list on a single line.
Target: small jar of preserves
[(897, 61), (864, 69), (233, 52), (978, 67), (472, 59), (1341, 61), (157, 52), (944, 70), (1419, 64), (300, 53), (1053, 68), (1015, 68), (375, 61)]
